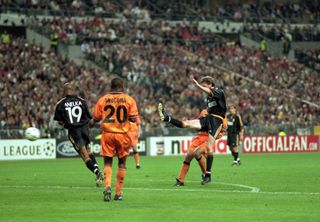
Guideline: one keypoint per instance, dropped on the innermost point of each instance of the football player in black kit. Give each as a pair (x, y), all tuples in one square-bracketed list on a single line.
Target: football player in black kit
[(211, 123), (72, 113), (235, 133)]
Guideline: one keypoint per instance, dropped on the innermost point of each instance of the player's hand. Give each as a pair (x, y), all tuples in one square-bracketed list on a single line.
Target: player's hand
[(195, 81)]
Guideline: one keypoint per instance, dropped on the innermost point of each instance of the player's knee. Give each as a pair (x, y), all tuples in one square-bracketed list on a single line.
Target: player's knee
[(122, 162), (107, 160)]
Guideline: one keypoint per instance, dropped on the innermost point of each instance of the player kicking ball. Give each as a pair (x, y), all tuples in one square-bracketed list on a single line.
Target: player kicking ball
[(72, 113), (212, 123), (198, 151)]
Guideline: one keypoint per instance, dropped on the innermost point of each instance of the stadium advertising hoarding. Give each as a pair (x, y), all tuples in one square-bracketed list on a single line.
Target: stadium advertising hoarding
[(178, 145), (27, 150), (280, 144), (65, 148)]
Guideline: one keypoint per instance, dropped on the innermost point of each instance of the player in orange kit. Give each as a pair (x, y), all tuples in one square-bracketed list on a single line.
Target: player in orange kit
[(198, 150), (116, 110), (134, 132)]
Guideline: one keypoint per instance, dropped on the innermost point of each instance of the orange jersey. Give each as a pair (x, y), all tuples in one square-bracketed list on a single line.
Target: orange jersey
[(114, 109)]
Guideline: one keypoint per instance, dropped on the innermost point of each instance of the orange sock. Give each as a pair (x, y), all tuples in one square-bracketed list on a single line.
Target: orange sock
[(120, 180), (107, 175), (137, 158), (184, 170), (202, 164)]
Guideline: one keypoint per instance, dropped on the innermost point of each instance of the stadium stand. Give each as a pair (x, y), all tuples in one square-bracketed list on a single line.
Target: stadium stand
[(157, 57)]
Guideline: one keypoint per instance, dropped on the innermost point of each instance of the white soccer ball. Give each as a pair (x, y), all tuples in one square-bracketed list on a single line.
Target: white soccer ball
[(32, 133)]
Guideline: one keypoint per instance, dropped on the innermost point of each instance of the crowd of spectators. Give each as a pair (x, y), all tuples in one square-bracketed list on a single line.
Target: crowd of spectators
[(72, 31), (270, 96), (267, 91), (309, 57), (31, 80), (299, 11), (197, 9), (306, 32), (157, 58)]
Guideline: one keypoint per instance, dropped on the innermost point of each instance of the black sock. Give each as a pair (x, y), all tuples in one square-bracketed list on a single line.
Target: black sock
[(91, 166), (175, 122), (94, 160), (235, 156), (209, 164), (187, 163)]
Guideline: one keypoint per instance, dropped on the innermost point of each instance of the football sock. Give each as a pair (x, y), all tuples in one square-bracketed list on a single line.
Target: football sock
[(120, 180), (209, 163), (202, 164), (136, 158), (107, 175), (90, 165), (175, 122), (235, 156), (92, 157), (184, 170)]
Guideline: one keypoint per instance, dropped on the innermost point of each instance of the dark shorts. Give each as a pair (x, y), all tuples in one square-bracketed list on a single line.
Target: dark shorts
[(233, 140), (211, 124), (79, 137)]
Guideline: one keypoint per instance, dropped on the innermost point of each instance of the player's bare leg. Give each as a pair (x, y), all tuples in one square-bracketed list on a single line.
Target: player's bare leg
[(91, 165), (184, 169), (136, 156), (120, 177), (192, 124), (107, 178)]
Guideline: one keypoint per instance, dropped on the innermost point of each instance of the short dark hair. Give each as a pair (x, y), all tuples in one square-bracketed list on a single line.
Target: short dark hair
[(207, 79), (117, 84)]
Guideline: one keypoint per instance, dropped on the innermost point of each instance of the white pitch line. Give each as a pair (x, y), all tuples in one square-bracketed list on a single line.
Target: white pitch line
[(252, 189), (165, 189)]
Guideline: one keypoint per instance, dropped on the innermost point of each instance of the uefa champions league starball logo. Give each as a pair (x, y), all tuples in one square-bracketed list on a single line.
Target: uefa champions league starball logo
[(48, 149)]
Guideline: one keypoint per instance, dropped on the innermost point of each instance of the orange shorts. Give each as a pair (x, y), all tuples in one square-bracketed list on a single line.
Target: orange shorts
[(134, 135), (199, 141), (115, 144)]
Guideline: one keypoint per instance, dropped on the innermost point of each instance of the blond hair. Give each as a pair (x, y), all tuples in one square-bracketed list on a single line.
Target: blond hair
[(207, 79)]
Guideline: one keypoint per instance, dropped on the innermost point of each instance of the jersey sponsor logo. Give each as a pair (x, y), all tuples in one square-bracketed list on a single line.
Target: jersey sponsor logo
[(212, 104), (65, 148)]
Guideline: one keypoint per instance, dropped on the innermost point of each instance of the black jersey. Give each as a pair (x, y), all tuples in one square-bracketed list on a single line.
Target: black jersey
[(72, 111), (235, 124), (216, 103)]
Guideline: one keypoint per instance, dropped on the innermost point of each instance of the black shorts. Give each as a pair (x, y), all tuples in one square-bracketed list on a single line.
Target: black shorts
[(233, 140), (79, 136), (211, 124)]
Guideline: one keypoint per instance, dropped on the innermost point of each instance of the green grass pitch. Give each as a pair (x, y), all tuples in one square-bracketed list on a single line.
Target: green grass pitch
[(266, 187)]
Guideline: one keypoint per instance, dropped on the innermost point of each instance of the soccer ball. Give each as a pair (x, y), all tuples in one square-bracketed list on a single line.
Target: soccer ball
[(32, 133)]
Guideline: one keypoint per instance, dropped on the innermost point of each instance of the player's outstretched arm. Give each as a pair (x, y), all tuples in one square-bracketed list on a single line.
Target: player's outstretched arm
[(203, 88)]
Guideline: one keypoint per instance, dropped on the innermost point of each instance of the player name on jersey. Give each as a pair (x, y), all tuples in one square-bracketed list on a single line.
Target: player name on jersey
[(73, 103), (116, 100)]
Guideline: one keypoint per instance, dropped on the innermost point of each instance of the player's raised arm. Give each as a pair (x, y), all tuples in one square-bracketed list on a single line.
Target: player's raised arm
[(203, 86)]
